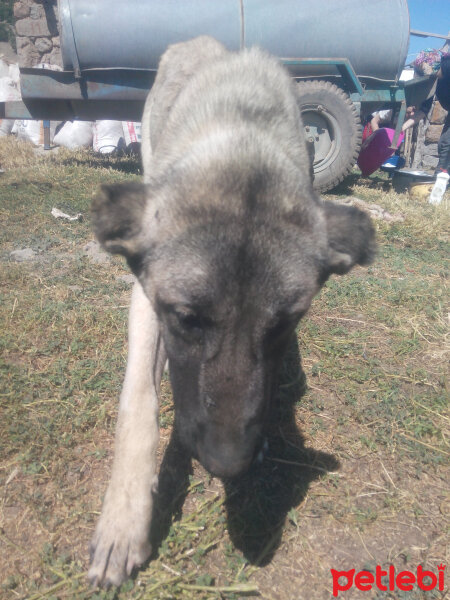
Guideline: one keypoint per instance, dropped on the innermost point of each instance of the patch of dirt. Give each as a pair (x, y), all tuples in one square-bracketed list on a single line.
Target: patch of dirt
[(23, 255), (95, 254)]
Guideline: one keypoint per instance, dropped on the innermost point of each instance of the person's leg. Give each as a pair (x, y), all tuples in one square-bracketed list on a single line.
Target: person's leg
[(444, 148)]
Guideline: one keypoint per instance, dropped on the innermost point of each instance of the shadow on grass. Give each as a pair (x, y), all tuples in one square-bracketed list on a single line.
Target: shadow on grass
[(258, 502), (173, 484), (117, 161), (377, 181)]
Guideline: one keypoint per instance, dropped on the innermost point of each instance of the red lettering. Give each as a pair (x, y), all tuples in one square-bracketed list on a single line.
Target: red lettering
[(441, 569), (391, 578), (338, 587), (364, 580), (379, 573), (421, 574), (405, 580)]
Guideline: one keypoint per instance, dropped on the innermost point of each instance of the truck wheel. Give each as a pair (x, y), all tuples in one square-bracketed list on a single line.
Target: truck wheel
[(333, 127)]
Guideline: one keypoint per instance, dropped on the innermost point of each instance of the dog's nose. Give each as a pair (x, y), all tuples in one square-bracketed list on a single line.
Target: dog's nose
[(226, 455), (225, 467)]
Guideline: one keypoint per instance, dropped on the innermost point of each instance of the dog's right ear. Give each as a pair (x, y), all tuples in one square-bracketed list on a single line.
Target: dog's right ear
[(117, 217)]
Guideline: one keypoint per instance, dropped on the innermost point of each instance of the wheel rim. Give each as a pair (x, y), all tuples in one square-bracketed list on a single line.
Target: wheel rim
[(321, 129)]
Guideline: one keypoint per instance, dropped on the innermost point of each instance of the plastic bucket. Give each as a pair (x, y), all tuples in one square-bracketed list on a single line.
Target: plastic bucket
[(376, 149)]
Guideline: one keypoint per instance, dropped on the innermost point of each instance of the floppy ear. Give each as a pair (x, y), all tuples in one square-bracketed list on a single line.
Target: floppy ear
[(351, 237), (117, 217)]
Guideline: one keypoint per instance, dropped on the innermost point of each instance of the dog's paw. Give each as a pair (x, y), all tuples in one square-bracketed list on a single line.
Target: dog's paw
[(119, 545)]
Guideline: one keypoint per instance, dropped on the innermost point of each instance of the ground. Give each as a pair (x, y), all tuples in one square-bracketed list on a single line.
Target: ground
[(357, 470)]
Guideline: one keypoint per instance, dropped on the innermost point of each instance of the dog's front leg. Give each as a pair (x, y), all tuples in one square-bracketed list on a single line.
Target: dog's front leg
[(120, 542)]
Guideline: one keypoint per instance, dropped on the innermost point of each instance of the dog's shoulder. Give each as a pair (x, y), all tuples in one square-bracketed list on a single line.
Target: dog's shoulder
[(179, 63)]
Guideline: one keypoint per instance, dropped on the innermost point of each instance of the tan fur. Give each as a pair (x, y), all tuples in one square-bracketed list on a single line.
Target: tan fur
[(229, 243), (121, 537)]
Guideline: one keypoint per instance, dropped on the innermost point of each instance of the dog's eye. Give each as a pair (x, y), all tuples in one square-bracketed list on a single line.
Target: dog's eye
[(189, 321), (183, 321)]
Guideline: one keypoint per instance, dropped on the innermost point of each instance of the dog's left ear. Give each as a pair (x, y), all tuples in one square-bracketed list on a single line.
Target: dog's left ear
[(118, 216), (351, 238)]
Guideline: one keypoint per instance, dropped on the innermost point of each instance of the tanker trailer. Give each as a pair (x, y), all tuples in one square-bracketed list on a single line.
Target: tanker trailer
[(342, 53)]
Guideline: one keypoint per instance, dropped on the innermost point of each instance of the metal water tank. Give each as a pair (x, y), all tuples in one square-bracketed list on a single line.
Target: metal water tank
[(372, 34)]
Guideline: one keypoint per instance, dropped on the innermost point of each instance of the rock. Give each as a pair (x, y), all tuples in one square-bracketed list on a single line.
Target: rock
[(22, 43), (95, 253), (27, 53), (430, 162), (23, 255), (433, 134), (53, 58), (438, 114), (33, 27), (37, 12), (430, 149), (43, 45), (21, 10)]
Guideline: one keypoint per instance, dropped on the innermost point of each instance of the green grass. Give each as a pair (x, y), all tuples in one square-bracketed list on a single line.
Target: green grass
[(358, 466)]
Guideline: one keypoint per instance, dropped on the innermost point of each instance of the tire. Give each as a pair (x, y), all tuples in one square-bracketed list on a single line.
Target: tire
[(333, 130)]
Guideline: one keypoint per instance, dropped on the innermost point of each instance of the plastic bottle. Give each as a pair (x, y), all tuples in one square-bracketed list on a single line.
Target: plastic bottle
[(438, 191)]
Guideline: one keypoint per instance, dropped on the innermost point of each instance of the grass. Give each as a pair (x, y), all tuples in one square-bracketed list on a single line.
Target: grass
[(357, 472)]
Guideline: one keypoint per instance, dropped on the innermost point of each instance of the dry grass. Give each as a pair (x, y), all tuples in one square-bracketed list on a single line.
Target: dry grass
[(357, 473), (15, 153)]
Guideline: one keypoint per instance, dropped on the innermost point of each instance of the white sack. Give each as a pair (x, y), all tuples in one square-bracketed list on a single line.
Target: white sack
[(107, 135), (131, 132), (9, 90), (33, 131), (75, 134)]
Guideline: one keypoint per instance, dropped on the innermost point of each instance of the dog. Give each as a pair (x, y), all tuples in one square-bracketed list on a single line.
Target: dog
[(229, 243)]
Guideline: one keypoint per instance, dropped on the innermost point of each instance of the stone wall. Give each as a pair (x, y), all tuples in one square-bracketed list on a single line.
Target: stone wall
[(428, 134), (37, 35)]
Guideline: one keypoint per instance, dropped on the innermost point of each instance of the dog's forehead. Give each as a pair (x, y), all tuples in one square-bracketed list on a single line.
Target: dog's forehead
[(216, 265)]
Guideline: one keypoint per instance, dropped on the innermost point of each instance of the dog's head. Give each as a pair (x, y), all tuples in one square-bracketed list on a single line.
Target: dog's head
[(229, 281)]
